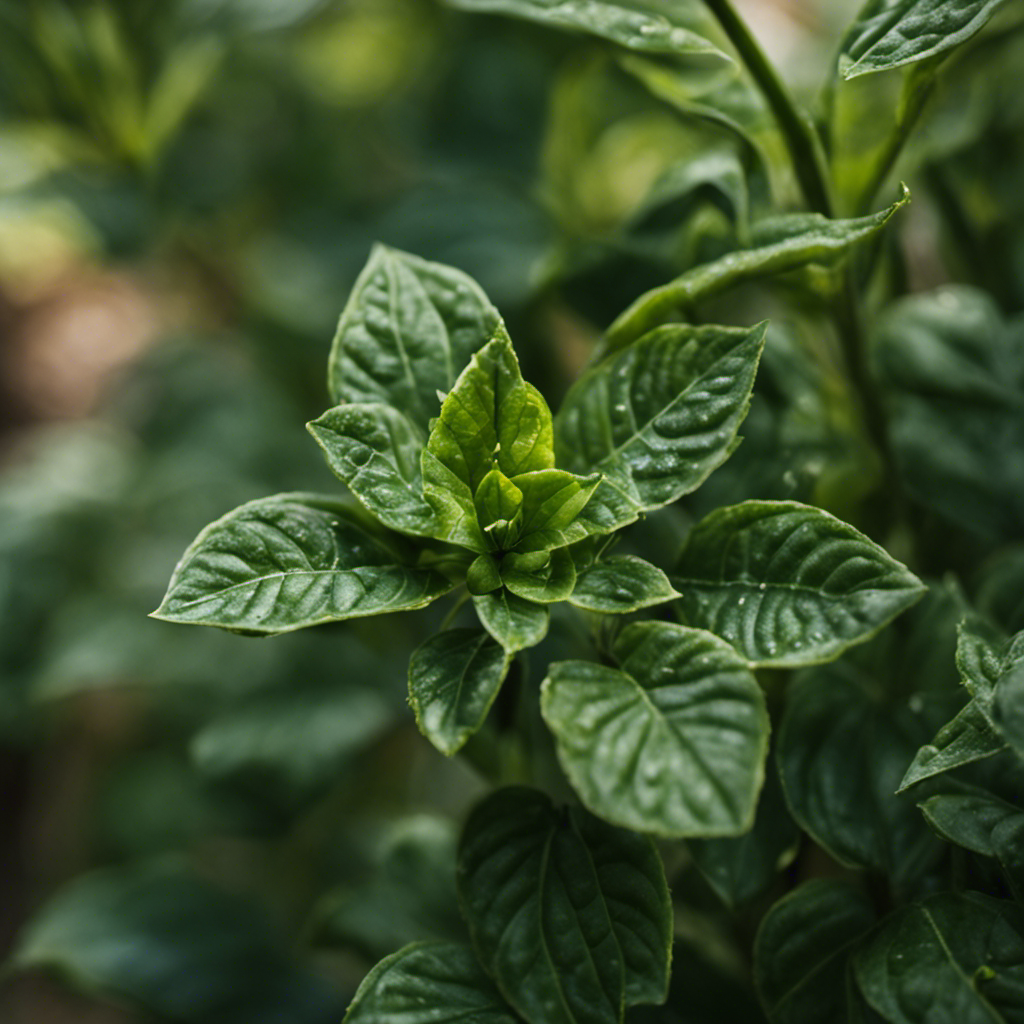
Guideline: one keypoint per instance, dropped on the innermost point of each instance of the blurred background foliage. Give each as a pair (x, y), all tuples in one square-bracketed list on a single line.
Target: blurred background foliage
[(187, 191)]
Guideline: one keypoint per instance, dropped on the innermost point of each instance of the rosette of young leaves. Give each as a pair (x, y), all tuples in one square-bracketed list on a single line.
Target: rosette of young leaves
[(991, 673), (570, 916), (295, 560), (656, 418), (788, 584), (671, 742), (890, 33)]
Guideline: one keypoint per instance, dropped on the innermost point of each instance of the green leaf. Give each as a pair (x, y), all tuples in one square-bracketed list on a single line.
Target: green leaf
[(973, 734), (553, 501), (788, 584), (491, 419), (453, 680), (552, 581), (621, 584), (802, 950), (672, 743), (953, 957), (174, 944), (1008, 708), (409, 896), (499, 509), (889, 33), (376, 451), (429, 983), (293, 560), (658, 417), (570, 916), (777, 246), (843, 747), (674, 31), (953, 372), (406, 333), (483, 575), (742, 867), (515, 622)]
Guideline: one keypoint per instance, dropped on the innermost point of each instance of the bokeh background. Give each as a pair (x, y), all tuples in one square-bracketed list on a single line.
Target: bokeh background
[(188, 189)]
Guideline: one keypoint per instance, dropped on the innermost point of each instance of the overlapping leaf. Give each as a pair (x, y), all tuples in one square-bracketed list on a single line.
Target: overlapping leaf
[(294, 560), (658, 417), (570, 916), (673, 742), (515, 622), (621, 584), (788, 584), (889, 33)]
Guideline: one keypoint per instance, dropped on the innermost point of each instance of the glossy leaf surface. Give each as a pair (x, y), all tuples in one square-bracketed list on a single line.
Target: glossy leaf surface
[(673, 742), (375, 450), (802, 950), (889, 33), (788, 584), (621, 584), (553, 579), (408, 330), (453, 680), (658, 417), (663, 29), (293, 560), (429, 983), (515, 622), (177, 946), (569, 915), (955, 957)]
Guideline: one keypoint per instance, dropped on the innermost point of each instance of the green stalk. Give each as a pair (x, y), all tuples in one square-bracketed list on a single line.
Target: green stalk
[(801, 139)]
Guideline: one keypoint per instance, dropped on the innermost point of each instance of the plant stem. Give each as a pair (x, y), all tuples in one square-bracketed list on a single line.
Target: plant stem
[(801, 139)]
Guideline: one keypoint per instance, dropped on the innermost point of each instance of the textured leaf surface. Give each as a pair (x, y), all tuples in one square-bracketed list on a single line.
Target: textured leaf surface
[(671, 29), (515, 622), (953, 371), (673, 742), (429, 983), (802, 950), (290, 561), (889, 33), (658, 417), (406, 333), (553, 579), (742, 867), (842, 750), (570, 916), (376, 451), (779, 245), (453, 680), (788, 584), (972, 735), (953, 957), (1008, 708), (621, 584), (175, 945)]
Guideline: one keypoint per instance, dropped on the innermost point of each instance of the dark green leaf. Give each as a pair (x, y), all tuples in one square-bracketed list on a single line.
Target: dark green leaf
[(953, 957), (676, 30), (842, 750), (290, 561), (410, 896), (175, 945), (429, 983), (954, 373), (973, 734), (1008, 708), (551, 580), (780, 245), (376, 451), (453, 680), (657, 418), (570, 916), (788, 584), (621, 584), (406, 333), (889, 33), (515, 622), (672, 743), (802, 950), (740, 868)]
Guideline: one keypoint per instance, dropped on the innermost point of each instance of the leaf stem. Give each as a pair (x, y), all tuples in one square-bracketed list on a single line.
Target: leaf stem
[(797, 129)]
